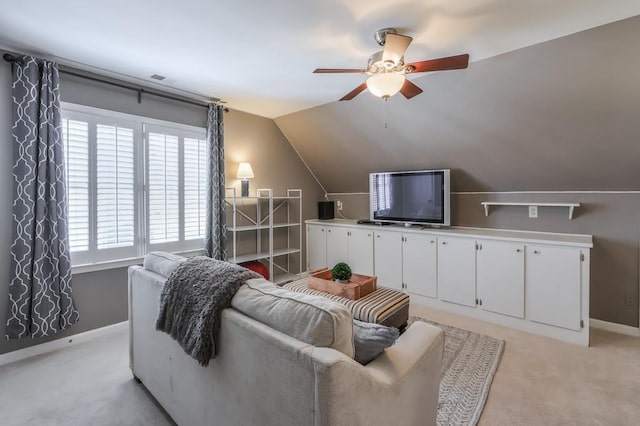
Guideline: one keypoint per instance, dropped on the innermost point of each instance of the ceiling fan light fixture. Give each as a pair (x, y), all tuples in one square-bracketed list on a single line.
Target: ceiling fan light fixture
[(385, 85), (387, 70)]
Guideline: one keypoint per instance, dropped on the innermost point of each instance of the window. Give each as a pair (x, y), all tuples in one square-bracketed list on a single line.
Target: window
[(177, 173), (164, 188), (195, 187), (133, 185), (76, 147), (115, 182)]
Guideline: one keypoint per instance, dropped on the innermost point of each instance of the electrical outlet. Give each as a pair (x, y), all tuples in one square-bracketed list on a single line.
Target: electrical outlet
[(533, 211), (629, 300), (339, 204)]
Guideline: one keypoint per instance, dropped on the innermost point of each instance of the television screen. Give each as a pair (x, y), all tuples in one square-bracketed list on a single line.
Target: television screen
[(420, 197)]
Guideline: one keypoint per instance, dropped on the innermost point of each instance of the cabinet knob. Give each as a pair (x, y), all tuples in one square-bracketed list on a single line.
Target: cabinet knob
[(368, 235), (328, 230), (378, 236), (536, 252), (444, 243), (518, 250), (433, 241)]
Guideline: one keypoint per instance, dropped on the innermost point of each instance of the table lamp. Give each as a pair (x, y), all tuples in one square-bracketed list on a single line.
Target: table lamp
[(245, 172)]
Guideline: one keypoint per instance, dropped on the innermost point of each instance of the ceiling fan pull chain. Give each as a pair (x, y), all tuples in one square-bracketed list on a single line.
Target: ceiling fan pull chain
[(386, 113)]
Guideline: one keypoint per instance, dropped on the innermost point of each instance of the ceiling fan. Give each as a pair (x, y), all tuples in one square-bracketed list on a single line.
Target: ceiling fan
[(386, 69)]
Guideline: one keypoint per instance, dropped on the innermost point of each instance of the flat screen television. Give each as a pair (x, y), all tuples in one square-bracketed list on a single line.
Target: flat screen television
[(414, 197)]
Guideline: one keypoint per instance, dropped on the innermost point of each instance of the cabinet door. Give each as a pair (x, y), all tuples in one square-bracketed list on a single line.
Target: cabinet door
[(387, 249), (500, 277), (361, 251), (419, 264), (316, 247), (457, 270), (337, 250), (553, 285)]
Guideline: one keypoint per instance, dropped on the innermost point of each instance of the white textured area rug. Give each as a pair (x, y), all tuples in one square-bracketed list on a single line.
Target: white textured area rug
[(469, 364)]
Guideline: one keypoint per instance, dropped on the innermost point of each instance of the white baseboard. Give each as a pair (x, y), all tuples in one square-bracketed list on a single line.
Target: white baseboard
[(74, 339), (614, 327)]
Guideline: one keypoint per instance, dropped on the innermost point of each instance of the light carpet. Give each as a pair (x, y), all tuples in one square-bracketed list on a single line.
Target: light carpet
[(468, 367)]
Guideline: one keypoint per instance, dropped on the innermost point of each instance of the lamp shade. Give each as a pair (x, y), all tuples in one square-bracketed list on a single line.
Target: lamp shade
[(245, 171), (385, 85)]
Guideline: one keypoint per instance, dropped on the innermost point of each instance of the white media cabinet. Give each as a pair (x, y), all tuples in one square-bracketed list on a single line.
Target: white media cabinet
[(533, 281)]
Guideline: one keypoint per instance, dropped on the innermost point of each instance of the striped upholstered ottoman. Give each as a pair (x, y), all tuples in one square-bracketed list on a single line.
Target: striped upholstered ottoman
[(384, 306)]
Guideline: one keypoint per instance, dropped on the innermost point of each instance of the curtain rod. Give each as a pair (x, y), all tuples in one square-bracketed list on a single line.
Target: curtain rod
[(139, 90)]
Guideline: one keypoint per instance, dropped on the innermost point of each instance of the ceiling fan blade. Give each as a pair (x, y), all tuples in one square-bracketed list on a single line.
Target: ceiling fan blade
[(394, 47), (337, 71), (442, 64), (409, 90), (355, 92)]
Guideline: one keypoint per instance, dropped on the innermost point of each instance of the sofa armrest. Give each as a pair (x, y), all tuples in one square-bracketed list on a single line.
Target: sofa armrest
[(401, 386)]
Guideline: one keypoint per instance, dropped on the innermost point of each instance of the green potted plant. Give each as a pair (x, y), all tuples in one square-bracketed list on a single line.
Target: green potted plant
[(341, 272)]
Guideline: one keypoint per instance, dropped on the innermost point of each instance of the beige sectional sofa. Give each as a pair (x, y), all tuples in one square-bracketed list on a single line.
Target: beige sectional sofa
[(267, 373)]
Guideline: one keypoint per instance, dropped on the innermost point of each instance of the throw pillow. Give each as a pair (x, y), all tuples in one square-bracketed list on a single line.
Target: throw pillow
[(371, 339)]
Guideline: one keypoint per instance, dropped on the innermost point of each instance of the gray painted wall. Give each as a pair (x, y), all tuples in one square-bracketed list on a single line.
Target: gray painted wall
[(559, 116), (275, 164), (85, 92), (102, 296)]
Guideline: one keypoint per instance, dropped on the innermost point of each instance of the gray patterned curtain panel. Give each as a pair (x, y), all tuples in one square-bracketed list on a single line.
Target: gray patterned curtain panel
[(40, 299), (216, 232)]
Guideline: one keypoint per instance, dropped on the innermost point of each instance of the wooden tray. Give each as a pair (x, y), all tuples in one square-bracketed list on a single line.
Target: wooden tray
[(357, 287)]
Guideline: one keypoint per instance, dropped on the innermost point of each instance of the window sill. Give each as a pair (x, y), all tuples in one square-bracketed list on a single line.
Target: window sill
[(123, 263)]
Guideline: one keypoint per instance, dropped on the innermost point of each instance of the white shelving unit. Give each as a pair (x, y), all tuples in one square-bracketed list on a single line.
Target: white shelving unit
[(570, 206), (275, 224)]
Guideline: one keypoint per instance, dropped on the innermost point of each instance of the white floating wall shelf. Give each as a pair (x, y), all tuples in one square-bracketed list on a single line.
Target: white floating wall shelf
[(570, 206)]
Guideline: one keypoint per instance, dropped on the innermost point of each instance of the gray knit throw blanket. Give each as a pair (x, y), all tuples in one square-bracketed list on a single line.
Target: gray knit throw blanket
[(192, 301)]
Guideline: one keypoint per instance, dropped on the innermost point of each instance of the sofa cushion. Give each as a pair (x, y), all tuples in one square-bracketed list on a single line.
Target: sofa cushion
[(371, 339), (161, 262), (315, 320)]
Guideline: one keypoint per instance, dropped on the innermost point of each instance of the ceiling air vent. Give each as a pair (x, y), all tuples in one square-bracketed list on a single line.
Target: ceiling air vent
[(158, 77)]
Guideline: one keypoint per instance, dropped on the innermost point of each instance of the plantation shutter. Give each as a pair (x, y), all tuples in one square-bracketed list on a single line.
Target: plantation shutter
[(163, 173), (115, 187), (195, 187), (75, 135)]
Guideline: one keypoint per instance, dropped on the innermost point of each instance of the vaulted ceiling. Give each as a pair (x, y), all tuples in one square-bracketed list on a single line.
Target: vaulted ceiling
[(560, 115), (259, 55)]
